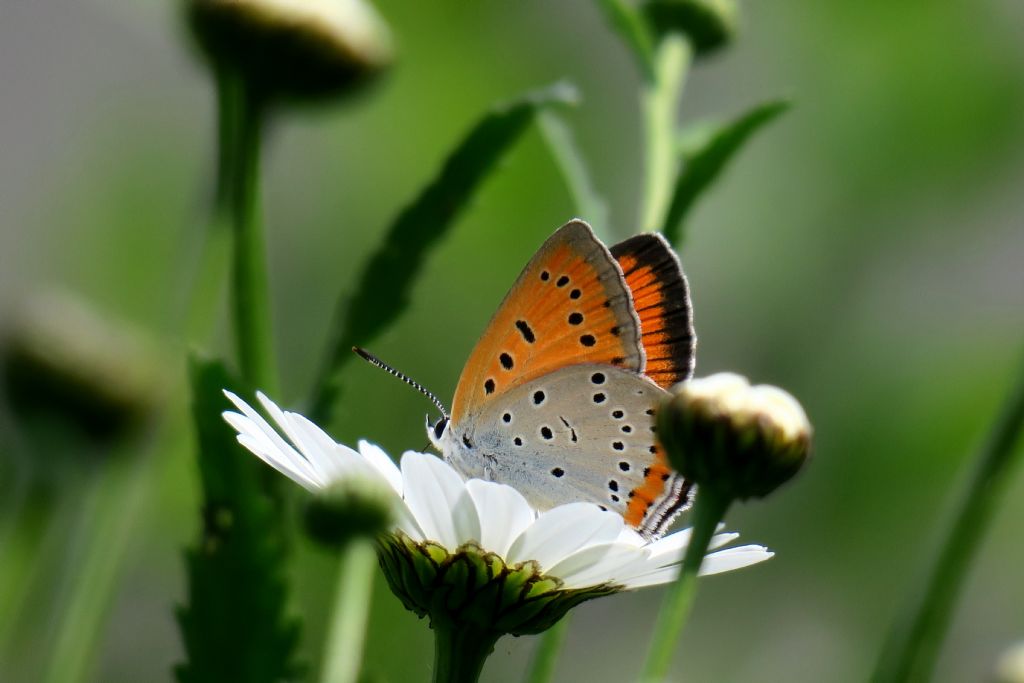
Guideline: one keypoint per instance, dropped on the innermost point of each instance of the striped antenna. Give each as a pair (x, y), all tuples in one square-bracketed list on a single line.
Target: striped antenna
[(373, 360)]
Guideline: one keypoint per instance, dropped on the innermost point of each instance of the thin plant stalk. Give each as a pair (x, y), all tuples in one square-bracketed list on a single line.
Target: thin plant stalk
[(660, 100), (347, 632), (912, 647), (110, 514), (708, 511), (250, 299), (542, 668)]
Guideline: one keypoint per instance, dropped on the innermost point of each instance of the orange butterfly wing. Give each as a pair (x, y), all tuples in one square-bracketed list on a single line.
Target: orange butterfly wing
[(661, 298), (570, 305)]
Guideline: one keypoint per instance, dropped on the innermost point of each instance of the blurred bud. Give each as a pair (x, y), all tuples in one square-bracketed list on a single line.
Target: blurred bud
[(722, 433), (354, 506), (709, 24), (304, 49), (1010, 667), (62, 361)]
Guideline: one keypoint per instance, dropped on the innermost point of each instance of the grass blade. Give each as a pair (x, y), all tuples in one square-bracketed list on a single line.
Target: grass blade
[(589, 203)]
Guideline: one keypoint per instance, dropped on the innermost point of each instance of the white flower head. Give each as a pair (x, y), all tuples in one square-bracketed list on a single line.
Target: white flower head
[(566, 554)]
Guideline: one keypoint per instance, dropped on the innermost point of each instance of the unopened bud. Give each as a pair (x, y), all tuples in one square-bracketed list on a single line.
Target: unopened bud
[(63, 361), (353, 507), (1010, 667), (709, 24), (723, 434), (303, 49)]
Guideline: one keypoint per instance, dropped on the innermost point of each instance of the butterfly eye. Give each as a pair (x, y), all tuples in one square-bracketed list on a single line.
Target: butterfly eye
[(439, 427)]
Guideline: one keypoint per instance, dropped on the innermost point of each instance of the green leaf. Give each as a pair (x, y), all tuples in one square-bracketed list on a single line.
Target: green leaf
[(234, 624), (629, 23), (386, 282), (703, 165), (589, 204)]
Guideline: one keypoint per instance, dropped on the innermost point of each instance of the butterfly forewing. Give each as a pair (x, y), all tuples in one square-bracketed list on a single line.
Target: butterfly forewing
[(579, 433), (570, 305)]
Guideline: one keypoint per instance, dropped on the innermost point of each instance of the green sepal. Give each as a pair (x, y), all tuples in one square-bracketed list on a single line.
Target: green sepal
[(472, 588)]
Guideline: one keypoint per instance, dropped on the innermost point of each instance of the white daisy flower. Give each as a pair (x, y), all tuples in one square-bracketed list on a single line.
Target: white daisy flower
[(479, 541)]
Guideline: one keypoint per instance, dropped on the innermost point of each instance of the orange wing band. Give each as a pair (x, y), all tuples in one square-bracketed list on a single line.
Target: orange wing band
[(656, 502), (661, 298)]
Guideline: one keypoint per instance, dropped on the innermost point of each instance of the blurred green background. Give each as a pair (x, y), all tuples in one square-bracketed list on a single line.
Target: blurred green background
[(865, 252)]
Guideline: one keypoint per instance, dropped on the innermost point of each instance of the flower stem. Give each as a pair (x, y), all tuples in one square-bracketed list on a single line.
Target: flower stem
[(460, 651), (708, 511), (250, 301), (344, 651), (107, 521), (660, 99), (910, 652), (544, 659)]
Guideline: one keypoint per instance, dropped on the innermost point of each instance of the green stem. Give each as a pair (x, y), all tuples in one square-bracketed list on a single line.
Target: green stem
[(347, 632), (111, 513), (542, 668), (708, 511), (910, 652), (566, 156), (460, 652), (660, 99), (250, 291)]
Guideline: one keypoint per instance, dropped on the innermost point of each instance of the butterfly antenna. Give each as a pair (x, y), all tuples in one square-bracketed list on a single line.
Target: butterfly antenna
[(373, 360)]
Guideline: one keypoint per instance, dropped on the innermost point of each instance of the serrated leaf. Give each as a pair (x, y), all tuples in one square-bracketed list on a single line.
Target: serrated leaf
[(704, 164), (384, 288), (234, 622)]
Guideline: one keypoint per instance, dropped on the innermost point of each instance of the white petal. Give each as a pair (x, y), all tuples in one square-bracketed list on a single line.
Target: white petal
[(654, 578), (268, 455), (563, 530), (596, 564), (432, 488), (715, 563), (734, 558), (376, 456), (669, 548), (285, 451), (504, 514), (466, 519), (718, 540), (259, 443), (307, 445)]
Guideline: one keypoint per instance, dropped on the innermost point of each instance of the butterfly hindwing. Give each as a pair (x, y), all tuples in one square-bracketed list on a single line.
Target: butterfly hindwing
[(570, 305), (579, 433), (661, 297)]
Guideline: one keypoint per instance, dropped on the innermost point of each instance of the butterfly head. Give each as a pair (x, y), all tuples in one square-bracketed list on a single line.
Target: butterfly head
[(438, 432)]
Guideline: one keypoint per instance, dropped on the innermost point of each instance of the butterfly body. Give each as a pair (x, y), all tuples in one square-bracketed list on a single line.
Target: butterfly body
[(554, 399)]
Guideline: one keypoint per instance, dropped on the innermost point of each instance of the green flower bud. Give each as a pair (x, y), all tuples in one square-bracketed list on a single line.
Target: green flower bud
[(302, 49), (709, 24), (726, 435), (473, 589), (63, 363), (352, 507)]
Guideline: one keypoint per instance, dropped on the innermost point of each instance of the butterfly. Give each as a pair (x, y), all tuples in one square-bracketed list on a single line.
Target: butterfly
[(559, 394)]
